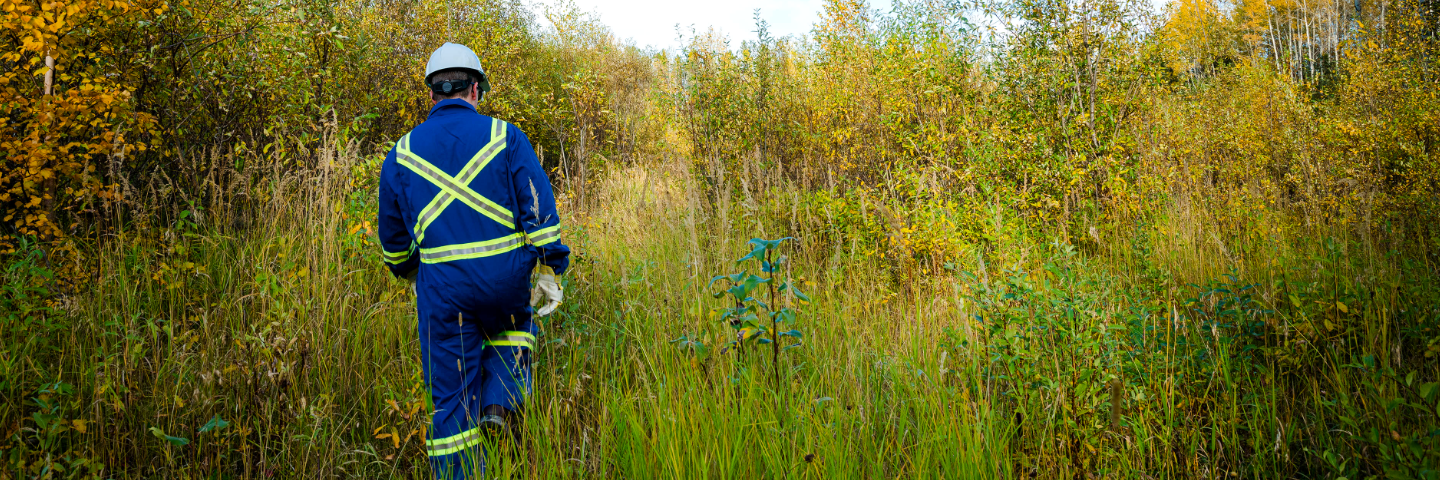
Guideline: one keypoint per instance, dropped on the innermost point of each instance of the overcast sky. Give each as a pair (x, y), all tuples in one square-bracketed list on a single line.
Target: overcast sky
[(652, 22)]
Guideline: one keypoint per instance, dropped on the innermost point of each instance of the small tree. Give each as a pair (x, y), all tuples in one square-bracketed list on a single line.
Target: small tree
[(745, 317)]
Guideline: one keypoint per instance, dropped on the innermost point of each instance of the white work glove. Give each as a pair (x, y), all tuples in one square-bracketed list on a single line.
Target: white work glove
[(548, 289)]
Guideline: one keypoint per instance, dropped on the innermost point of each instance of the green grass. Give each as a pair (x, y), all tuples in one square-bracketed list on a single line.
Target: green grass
[(1132, 358)]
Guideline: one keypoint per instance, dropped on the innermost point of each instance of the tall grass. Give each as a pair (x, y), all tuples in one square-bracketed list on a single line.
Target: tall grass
[(262, 339)]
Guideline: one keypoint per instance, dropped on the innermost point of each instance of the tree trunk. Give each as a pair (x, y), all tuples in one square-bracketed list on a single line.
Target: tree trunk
[(49, 74)]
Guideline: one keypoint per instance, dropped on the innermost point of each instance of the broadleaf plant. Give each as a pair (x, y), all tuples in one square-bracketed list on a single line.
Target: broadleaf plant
[(757, 321)]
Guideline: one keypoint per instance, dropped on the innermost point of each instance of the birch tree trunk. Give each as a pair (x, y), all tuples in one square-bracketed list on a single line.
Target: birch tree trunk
[(49, 74)]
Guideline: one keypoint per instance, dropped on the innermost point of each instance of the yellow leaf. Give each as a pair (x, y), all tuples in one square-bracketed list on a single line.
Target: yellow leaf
[(1341, 306)]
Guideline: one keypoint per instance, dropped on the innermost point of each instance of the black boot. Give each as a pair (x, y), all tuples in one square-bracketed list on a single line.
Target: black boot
[(495, 419)]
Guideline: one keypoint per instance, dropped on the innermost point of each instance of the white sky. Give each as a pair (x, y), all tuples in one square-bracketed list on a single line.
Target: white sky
[(651, 23)]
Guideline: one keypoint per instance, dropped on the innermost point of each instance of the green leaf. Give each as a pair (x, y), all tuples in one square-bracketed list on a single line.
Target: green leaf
[(769, 244), (758, 252), (755, 280), (176, 441), (215, 423), (740, 291), (787, 286), (792, 333), (1427, 391), (747, 320), (732, 312)]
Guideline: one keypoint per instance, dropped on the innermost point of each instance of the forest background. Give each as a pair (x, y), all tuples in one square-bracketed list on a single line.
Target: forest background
[(1035, 238)]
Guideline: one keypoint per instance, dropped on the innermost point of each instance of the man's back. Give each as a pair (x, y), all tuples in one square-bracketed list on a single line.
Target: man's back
[(464, 200)]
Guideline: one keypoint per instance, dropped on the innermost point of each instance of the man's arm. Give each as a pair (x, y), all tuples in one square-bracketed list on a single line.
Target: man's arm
[(538, 217), (397, 245)]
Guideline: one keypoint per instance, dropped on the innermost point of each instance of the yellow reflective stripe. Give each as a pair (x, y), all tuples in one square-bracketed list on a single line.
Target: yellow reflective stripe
[(512, 339), (472, 169), (545, 235), (453, 443), (453, 187), (396, 258), (518, 333), (451, 439), (471, 250), (429, 213), (456, 188)]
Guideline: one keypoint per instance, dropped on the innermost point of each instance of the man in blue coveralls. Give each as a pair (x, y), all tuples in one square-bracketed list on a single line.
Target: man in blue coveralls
[(467, 213)]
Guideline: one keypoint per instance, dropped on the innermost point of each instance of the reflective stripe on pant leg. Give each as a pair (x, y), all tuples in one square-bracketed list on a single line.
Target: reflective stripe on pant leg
[(507, 364), (512, 338), (452, 353), (453, 443)]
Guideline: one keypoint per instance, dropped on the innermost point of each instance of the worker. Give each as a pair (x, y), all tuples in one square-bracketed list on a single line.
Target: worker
[(467, 214)]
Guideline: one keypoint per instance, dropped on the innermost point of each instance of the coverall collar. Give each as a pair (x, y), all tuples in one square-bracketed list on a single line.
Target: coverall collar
[(451, 106)]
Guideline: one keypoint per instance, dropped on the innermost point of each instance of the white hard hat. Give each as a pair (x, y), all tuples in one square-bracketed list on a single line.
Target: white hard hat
[(454, 56)]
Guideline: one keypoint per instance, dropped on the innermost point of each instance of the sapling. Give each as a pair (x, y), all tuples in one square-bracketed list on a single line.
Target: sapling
[(745, 315)]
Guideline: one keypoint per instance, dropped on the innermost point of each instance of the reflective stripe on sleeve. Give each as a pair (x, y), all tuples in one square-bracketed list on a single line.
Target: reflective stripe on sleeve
[(471, 250), (396, 258), (545, 235)]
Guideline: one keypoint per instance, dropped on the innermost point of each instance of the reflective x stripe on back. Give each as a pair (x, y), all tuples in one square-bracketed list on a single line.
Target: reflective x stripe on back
[(458, 187)]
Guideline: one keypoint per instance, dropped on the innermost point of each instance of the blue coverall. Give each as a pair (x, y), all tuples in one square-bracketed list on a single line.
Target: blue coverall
[(465, 205)]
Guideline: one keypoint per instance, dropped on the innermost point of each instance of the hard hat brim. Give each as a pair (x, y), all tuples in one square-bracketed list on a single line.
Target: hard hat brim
[(484, 80)]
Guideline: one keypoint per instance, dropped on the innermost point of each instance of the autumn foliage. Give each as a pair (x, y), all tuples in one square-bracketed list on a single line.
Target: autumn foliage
[(67, 120), (1191, 241)]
